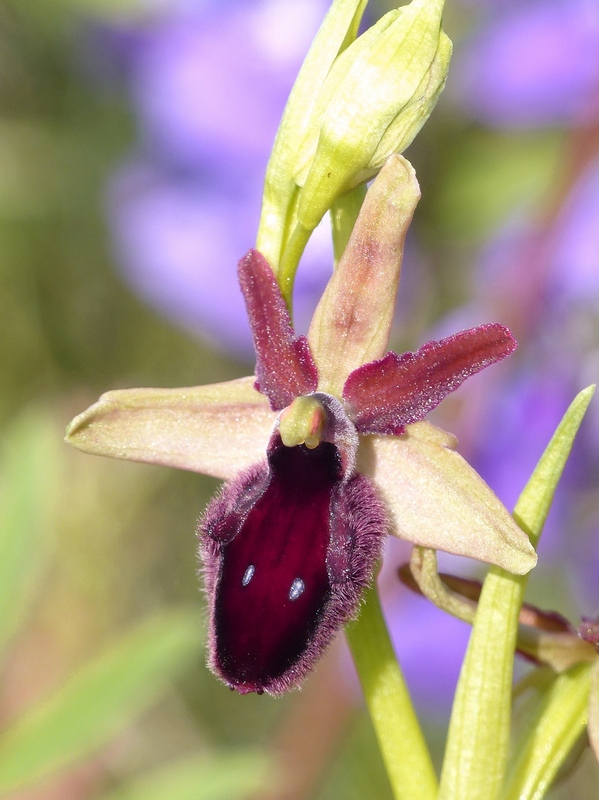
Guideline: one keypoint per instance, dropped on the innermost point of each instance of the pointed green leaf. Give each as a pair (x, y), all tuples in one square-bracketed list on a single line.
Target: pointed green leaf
[(534, 502), (477, 743), (478, 739), (550, 734), (99, 700), (231, 776)]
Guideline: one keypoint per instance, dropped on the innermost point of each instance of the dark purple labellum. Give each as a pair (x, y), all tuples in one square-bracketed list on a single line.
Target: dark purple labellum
[(288, 548)]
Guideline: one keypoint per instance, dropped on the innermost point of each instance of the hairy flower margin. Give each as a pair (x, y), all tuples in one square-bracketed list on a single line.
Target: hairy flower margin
[(324, 450)]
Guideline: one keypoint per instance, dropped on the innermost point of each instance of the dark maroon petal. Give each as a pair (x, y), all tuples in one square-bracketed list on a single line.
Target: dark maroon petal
[(285, 368), (293, 570), (385, 396)]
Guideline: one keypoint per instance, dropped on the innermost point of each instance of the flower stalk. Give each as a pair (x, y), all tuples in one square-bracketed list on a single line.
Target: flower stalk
[(403, 748)]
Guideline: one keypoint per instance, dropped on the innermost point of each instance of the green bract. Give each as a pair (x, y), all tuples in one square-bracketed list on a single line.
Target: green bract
[(476, 753), (352, 106)]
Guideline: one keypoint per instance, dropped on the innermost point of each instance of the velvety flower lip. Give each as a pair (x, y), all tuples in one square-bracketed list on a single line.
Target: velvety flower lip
[(330, 454), (288, 548)]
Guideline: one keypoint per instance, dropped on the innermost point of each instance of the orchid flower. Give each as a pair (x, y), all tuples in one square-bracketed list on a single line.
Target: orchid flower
[(325, 450)]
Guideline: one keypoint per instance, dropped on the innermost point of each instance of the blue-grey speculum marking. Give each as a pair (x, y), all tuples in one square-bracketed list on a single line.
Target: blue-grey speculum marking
[(248, 575), (297, 587)]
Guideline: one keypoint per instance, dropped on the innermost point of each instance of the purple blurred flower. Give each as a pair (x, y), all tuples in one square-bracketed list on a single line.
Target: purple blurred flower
[(212, 80), (575, 268), (522, 418), (545, 285), (178, 240), (209, 83), (535, 64)]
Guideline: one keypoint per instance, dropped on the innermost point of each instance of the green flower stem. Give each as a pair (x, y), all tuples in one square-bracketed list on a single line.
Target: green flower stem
[(290, 260), (550, 735), (400, 738), (478, 740), (423, 566), (344, 214)]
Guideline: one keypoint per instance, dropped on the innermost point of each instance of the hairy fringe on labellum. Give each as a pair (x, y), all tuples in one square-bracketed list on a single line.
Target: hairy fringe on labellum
[(251, 647)]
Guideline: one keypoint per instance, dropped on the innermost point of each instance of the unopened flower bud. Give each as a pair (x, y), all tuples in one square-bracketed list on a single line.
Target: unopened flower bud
[(358, 108), (377, 96)]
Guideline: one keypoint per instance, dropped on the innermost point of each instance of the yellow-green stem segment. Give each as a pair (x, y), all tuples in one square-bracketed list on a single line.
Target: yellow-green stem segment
[(403, 748)]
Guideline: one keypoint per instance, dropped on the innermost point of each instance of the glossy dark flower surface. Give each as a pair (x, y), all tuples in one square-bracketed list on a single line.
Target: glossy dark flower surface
[(293, 571)]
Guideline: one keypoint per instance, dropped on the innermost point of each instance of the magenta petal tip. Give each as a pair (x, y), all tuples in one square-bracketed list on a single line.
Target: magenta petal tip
[(386, 395)]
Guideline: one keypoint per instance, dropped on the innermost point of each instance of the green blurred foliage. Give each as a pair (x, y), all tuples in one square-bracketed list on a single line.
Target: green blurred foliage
[(88, 548), (66, 321), (223, 777)]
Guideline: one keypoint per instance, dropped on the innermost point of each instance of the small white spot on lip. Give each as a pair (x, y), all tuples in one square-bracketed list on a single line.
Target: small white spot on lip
[(297, 587), (248, 575)]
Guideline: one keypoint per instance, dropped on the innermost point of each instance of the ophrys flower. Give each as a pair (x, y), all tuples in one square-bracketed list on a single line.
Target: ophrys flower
[(326, 453)]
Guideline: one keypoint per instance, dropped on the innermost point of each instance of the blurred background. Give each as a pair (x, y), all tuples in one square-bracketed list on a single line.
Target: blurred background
[(134, 135)]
